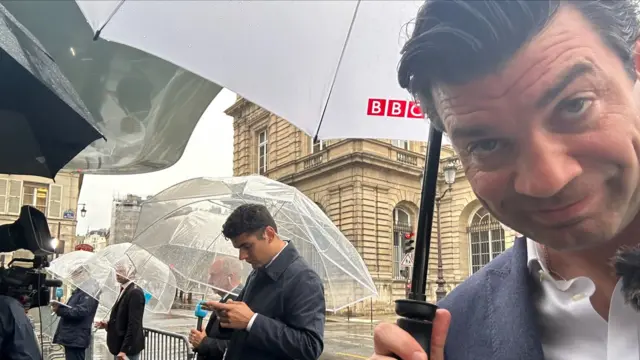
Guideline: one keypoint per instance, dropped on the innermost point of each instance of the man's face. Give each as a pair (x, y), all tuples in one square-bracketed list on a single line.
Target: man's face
[(550, 143), (220, 278), (255, 248), (121, 275)]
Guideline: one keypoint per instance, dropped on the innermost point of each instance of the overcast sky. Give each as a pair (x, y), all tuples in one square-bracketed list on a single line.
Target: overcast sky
[(209, 153)]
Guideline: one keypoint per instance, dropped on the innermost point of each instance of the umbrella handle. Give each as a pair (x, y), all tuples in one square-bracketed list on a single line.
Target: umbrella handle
[(416, 315)]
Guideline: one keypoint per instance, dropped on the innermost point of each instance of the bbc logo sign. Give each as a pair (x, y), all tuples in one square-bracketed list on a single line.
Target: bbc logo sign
[(394, 108)]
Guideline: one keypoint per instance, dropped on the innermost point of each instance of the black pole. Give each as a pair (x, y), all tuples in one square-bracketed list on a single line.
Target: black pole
[(416, 315), (425, 218)]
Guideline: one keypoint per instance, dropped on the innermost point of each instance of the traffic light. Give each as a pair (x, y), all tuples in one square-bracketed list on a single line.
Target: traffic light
[(408, 243)]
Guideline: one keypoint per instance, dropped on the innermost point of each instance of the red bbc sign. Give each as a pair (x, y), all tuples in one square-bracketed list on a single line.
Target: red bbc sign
[(394, 108)]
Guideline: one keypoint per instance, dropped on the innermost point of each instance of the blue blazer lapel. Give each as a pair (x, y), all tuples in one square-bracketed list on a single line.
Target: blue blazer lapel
[(510, 309)]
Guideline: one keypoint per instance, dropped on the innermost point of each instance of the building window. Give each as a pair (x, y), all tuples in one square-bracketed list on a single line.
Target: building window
[(486, 238), (316, 146), (401, 226), (402, 144), (262, 152), (35, 195)]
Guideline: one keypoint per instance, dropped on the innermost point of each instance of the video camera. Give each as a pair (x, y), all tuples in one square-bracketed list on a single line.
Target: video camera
[(30, 286)]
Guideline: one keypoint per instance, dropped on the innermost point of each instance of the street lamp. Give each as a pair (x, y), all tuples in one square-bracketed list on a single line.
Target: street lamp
[(449, 178), (83, 212)]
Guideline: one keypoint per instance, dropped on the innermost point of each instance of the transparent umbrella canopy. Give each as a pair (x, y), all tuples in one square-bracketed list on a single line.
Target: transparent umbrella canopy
[(181, 226), (95, 274)]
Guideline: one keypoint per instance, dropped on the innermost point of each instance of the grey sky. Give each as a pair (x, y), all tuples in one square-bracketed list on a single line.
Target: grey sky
[(209, 153)]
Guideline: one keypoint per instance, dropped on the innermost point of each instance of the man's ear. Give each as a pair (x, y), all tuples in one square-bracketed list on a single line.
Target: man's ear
[(269, 233)]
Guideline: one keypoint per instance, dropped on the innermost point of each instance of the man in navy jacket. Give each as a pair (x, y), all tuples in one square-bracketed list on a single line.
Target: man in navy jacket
[(74, 329)]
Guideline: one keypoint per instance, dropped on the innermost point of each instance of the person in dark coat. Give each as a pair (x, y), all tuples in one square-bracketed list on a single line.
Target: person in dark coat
[(17, 337), (280, 314), (224, 276), (74, 329), (125, 335)]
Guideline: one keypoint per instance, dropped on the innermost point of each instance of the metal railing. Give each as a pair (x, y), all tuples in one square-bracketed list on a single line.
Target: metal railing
[(161, 345)]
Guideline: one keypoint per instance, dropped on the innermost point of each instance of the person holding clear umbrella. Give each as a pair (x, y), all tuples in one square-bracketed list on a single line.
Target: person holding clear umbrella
[(125, 336), (224, 276), (281, 310), (74, 329)]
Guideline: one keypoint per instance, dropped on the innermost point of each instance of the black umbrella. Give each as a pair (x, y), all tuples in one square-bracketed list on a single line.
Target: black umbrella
[(43, 124)]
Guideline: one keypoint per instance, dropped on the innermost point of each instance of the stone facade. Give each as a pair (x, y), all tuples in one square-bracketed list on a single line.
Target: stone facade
[(371, 190), (58, 200)]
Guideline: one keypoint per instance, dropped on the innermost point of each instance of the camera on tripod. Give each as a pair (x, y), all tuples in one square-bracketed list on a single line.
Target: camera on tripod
[(31, 232)]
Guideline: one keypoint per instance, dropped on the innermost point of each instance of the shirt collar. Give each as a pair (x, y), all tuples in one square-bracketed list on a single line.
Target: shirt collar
[(535, 258), (279, 252), (126, 285), (538, 269)]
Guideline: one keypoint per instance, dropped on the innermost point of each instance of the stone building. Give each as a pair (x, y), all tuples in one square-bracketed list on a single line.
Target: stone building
[(58, 200), (125, 213), (371, 190), (97, 239)]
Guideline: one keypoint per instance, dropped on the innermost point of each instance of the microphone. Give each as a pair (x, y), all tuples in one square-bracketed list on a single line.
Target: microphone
[(627, 266), (200, 313)]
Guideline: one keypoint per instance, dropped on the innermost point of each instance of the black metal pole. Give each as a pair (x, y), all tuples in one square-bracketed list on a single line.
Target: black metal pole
[(416, 315), (425, 218), (58, 237)]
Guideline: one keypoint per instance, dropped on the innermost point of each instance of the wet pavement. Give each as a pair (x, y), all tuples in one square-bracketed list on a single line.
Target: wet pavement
[(343, 340)]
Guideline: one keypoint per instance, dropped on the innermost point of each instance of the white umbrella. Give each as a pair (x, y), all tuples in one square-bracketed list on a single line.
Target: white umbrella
[(95, 274), (145, 106), (327, 65), (182, 226)]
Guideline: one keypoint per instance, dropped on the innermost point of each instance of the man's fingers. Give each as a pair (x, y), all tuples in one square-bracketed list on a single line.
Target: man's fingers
[(380, 357), (389, 339), (439, 334), (220, 306)]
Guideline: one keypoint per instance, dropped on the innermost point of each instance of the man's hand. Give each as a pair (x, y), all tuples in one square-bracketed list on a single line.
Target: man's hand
[(195, 338), (233, 314), (55, 307), (209, 305), (100, 325), (389, 340), (121, 356)]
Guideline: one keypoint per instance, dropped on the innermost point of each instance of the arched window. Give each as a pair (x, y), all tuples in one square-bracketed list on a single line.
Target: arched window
[(486, 238), (401, 226)]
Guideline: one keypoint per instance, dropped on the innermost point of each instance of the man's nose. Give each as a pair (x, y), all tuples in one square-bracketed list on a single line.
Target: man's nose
[(544, 166), (242, 256)]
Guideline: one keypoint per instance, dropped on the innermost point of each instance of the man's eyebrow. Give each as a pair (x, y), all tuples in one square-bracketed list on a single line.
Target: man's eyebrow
[(565, 80), (474, 131)]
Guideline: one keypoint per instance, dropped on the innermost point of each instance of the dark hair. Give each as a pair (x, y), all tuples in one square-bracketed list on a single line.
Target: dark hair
[(455, 41), (248, 218)]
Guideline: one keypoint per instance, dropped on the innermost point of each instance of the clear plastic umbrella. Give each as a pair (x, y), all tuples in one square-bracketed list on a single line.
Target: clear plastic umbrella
[(182, 227), (95, 274)]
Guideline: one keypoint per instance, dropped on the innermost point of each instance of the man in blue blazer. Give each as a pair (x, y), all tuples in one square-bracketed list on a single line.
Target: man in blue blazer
[(541, 102)]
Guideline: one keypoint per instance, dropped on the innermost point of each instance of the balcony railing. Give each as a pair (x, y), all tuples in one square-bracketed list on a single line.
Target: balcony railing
[(345, 148), (313, 161), (407, 158)]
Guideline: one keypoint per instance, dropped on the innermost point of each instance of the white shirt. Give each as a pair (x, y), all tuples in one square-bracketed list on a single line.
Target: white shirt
[(255, 315), (570, 326)]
